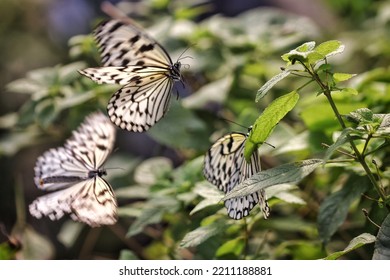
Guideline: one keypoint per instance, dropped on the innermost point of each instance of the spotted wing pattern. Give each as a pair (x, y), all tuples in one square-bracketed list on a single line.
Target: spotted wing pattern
[(74, 174), (226, 167), (133, 59)]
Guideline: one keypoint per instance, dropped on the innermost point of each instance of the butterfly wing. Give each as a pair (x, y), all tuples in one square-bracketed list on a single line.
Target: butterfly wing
[(90, 201), (74, 171), (57, 169), (140, 104), (135, 60), (93, 141), (226, 167), (123, 44)]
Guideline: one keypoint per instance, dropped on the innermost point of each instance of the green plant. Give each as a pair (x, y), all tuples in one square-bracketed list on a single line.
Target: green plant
[(314, 190)]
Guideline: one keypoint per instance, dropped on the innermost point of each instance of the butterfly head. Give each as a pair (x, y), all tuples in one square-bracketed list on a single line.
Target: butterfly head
[(98, 172), (175, 71)]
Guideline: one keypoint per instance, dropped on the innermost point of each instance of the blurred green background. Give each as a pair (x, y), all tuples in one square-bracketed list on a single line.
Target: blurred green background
[(234, 48)]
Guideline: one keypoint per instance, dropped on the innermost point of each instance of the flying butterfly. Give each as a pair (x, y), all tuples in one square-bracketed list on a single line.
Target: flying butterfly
[(74, 172), (133, 59), (225, 167)]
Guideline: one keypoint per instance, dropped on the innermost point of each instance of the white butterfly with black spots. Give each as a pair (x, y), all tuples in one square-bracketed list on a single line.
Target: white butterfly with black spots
[(135, 60), (75, 173), (225, 166)]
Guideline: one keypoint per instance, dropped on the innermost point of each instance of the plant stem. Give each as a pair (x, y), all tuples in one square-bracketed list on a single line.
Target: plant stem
[(359, 157)]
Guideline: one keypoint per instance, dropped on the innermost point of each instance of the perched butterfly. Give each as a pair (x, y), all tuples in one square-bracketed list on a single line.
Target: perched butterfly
[(135, 60), (74, 172), (225, 166)]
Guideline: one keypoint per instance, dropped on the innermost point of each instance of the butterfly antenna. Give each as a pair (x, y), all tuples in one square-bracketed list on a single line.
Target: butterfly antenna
[(227, 120), (187, 56), (112, 168), (272, 146)]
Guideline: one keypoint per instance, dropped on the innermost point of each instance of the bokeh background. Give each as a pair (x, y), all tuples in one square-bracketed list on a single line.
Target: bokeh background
[(235, 46)]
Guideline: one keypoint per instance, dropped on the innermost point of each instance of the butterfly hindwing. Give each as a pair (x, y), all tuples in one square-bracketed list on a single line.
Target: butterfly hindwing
[(74, 173), (133, 59), (140, 104), (226, 167), (90, 201)]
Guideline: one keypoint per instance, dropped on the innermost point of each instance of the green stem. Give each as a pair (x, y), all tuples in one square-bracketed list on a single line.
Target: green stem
[(359, 156)]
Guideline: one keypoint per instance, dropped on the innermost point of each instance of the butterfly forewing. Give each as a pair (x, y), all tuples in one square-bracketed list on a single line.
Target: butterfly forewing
[(74, 173), (135, 60), (226, 167), (93, 141), (123, 44)]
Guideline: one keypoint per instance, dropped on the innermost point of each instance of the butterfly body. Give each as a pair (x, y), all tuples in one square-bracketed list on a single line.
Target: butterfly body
[(136, 61), (73, 174), (225, 167)]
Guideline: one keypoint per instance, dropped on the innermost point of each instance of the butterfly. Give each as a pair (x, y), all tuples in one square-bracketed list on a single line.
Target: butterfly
[(135, 60), (74, 172), (225, 166)]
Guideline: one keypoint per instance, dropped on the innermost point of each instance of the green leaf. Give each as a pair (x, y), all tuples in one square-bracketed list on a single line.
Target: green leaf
[(384, 127), (11, 143), (314, 57), (211, 194), (341, 77), (382, 244), (300, 53), (150, 170), (306, 47), (35, 246), (357, 242), (153, 213), (283, 192), (269, 84), (266, 122), (8, 121), (349, 91), (201, 234), (341, 140), (325, 122), (330, 48), (180, 128), (334, 209), (290, 173), (232, 247), (127, 255), (69, 233), (216, 91), (133, 192)]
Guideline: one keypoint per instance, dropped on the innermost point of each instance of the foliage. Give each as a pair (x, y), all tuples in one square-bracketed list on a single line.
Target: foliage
[(330, 135)]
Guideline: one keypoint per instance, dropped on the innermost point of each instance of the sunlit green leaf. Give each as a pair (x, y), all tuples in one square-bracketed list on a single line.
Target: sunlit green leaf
[(270, 83), (232, 247), (267, 121), (349, 91), (330, 48), (341, 77), (300, 53)]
